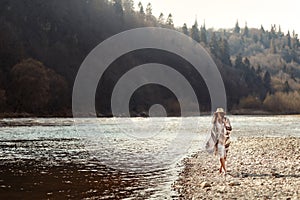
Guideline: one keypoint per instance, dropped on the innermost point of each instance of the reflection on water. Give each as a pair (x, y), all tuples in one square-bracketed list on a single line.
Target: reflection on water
[(62, 167), (85, 160), (96, 158)]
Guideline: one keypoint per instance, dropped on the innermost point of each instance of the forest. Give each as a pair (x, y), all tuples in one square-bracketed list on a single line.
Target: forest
[(43, 43)]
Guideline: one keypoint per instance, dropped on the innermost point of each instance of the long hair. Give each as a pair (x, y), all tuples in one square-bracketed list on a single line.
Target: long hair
[(215, 118)]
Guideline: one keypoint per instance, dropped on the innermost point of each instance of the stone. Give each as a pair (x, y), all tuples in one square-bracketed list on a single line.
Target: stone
[(234, 183), (221, 189), (205, 184)]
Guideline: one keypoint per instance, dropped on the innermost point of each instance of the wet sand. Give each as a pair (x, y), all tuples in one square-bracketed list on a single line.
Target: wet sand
[(258, 168)]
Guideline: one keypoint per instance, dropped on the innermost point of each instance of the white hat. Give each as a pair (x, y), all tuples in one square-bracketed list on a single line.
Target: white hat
[(220, 110)]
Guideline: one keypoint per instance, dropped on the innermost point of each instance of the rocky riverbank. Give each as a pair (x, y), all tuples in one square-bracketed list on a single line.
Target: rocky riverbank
[(258, 168)]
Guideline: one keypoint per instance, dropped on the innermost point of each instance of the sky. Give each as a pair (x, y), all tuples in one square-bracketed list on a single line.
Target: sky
[(224, 13)]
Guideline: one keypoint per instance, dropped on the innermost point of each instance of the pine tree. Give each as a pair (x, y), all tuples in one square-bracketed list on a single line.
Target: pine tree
[(149, 16), (185, 29), (279, 33), (295, 40), (149, 10), (267, 82), (203, 37), (237, 29), (195, 32), (262, 30), (246, 63), (273, 31), (140, 5), (289, 40), (224, 51), (239, 62), (262, 36), (246, 30), (161, 18), (170, 20)]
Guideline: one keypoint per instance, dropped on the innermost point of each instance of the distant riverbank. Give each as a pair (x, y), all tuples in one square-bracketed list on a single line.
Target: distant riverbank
[(204, 113), (260, 112)]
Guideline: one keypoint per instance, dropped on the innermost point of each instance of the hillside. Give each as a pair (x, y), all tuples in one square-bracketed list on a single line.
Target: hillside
[(43, 43)]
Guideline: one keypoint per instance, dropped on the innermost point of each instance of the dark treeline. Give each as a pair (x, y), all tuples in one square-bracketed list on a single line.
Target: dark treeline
[(43, 43)]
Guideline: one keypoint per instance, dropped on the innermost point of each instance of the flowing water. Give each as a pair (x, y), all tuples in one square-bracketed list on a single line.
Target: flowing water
[(109, 158)]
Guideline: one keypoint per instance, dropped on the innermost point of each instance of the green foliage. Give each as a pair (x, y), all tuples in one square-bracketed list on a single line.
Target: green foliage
[(30, 84), (264, 61), (35, 87)]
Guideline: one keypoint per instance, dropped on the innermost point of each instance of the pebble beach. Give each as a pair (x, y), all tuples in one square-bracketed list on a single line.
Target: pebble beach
[(257, 168)]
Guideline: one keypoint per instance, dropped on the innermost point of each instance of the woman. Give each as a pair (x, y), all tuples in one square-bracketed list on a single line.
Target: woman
[(220, 136)]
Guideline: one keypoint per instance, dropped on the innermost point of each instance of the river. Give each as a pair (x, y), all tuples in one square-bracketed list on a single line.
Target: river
[(111, 158)]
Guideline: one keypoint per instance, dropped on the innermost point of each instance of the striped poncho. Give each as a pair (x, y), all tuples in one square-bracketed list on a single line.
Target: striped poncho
[(220, 133)]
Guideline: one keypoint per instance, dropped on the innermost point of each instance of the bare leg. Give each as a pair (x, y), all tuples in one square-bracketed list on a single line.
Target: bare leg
[(222, 161)]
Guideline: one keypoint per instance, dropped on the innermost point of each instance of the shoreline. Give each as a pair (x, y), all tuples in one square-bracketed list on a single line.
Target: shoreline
[(252, 172), (235, 112)]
